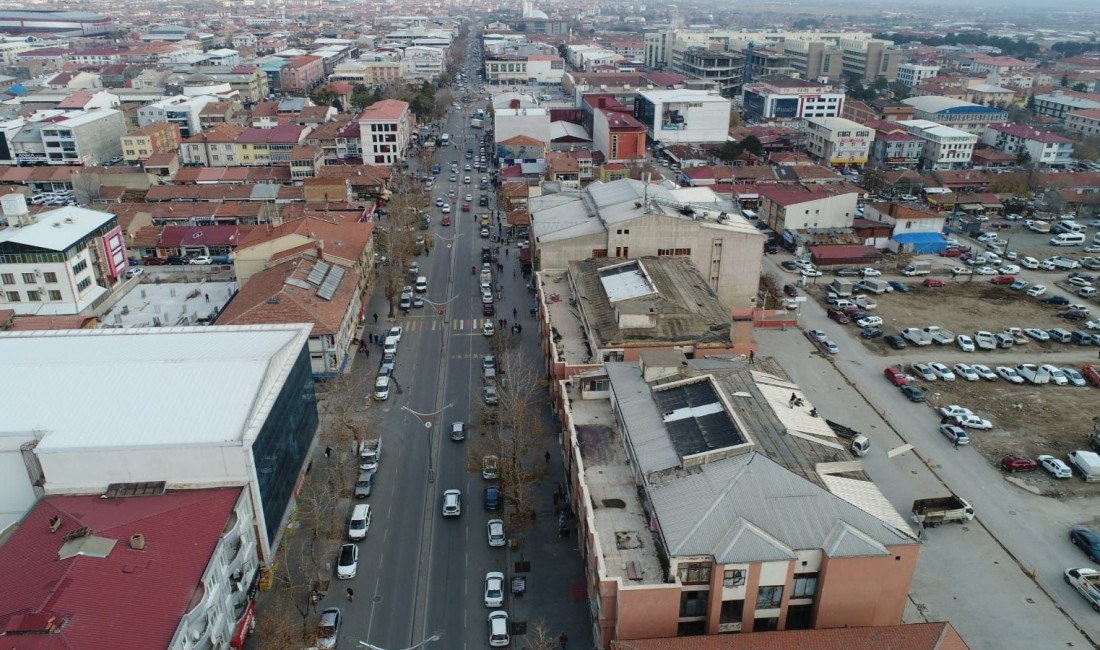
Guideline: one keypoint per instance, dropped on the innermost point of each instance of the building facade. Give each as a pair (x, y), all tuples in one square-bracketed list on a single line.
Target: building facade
[(1041, 147), (90, 138), (154, 138), (785, 98), (683, 116), (184, 112), (835, 141), (384, 130), (943, 147), (914, 74)]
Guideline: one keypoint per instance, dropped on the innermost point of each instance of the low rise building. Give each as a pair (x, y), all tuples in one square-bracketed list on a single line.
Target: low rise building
[(944, 147), (1041, 147), (184, 112), (618, 135), (914, 74), (683, 116), (1085, 121), (385, 128), (1058, 104), (785, 209), (838, 142), (786, 98), (149, 140), (956, 113), (894, 146)]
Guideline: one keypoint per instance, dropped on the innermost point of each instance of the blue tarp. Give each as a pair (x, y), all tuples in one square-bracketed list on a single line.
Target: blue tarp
[(921, 242)]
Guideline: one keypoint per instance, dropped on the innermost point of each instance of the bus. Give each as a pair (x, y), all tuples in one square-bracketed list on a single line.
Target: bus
[(445, 139)]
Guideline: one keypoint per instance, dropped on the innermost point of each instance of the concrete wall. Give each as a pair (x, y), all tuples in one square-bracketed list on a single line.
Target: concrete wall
[(89, 470), (250, 261), (854, 592), (100, 139), (646, 612)]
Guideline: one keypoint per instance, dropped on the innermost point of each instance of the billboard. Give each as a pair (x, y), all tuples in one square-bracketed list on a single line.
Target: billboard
[(114, 245)]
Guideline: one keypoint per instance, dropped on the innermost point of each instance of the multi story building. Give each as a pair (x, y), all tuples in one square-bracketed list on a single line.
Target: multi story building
[(914, 74), (894, 147), (1041, 147), (521, 69), (956, 113), (302, 73), (813, 59), (787, 98), (508, 123), (372, 70), (184, 112), (1084, 121), (835, 141), (269, 146), (62, 261), (720, 67), (423, 62), (216, 147), (683, 116), (785, 209), (944, 147), (384, 129), (870, 59), (1059, 103), (879, 109), (153, 138), (83, 138)]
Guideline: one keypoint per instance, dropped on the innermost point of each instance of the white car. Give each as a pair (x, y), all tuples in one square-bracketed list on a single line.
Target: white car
[(498, 629), (1010, 375), (955, 434), (348, 564), (1037, 334), (494, 589), (983, 371), (818, 335), (382, 388), (494, 530), (965, 343), (870, 273), (923, 371), (973, 422), (1057, 377), (954, 411), (395, 332), (942, 371), (1009, 269), (1093, 324), (446, 209), (870, 321), (452, 503), (966, 372), (810, 272), (134, 271), (201, 259), (1037, 290), (487, 329), (1074, 377), (961, 270), (1055, 466), (986, 270), (830, 347), (1029, 263)]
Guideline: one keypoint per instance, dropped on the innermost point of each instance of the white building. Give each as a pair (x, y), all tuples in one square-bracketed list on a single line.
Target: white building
[(956, 113), (1085, 121), (531, 122), (423, 62), (1059, 103), (914, 74), (60, 261), (223, 57), (838, 141), (179, 110), (779, 97), (683, 116), (84, 138), (214, 407), (1042, 147), (384, 128), (944, 147)]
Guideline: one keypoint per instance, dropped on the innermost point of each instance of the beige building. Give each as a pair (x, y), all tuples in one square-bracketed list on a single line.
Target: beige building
[(633, 219), (786, 209), (837, 141)]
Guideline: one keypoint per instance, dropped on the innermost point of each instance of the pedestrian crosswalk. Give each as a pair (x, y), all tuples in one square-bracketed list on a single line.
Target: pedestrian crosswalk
[(455, 325)]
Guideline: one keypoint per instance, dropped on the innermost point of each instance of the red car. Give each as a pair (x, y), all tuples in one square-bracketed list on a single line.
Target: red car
[(896, 377), (446, 220), (153, 261), (839, 316), (1004, 279), (952, 252), (1013, 463), (465, 207), (933, 282)]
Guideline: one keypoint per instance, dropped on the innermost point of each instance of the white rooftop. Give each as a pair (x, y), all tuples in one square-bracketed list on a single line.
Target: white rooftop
[(57, 229), (668, 96), (156, 387), (625, 281)]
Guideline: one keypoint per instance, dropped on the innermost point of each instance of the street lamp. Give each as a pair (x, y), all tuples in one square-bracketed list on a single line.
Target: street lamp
[(439, 307), (426, 420), (434, 637)]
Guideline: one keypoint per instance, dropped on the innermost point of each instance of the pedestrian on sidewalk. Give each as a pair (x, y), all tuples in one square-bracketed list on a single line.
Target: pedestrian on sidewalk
[(513, 312), (376, 317), (752, 357), (328, 452), (351, 594)]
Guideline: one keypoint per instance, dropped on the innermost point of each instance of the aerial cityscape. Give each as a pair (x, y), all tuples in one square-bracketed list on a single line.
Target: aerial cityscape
[(781, 329)]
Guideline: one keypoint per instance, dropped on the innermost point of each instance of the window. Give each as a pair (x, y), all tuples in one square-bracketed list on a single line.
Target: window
[(732, 610), (695, 573), (733, 578), (83, 284), (9, 278), (769, 597), (34, 296), (693, 603), (13, 296), (804, 585), (596, 253), (79, 267), (28, 278), (55, 294)]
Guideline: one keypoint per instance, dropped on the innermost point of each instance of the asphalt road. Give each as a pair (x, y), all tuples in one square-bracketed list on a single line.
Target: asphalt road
[(967, 582)]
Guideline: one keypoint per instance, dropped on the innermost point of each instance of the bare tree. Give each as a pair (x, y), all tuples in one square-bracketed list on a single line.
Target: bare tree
[(399, 235), (87, 187), (541, 638)]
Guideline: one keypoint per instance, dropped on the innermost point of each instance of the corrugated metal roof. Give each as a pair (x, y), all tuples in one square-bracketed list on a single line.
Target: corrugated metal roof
[(651, 443), (184, 385)]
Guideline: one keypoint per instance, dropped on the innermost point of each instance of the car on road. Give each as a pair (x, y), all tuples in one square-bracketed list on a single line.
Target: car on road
[(923, 371), (1009, 374), (1014, 463), (494, 532), (328, 629), (469, 197), (933, 282), (966, 372), (489, 395), (446, 209), (973, 422), (985, 270), (810, 272), (789, 265), (913, 393), (487, 329), (846, 272), (452, 503), (494, 589), (134, 271), (382, 388), (955, 434), (790, 291), (983, 371), (489, 362), (896, 376), (458, 431), (176, 260), (830, 347), (387, 364), (395, 332), (942, 371), (869, 321), (818, 335), (498, 629), (348, 563), (900, 287), (1037, 290), (1087, 541), (868, 272), (201, 260), (1056, 467), (1037, 334), (896, 342), (965, 343), (446, 221), (870, 333), (153, 261), (492, 497)]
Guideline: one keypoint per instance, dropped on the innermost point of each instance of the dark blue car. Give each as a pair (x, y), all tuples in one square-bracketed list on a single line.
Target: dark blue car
[(1087, 541)]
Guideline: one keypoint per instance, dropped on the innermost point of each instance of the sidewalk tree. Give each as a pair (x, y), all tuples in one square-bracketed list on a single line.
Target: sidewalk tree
[(398, 233)]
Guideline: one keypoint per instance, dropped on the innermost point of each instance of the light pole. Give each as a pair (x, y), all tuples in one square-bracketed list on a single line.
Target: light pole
[(439, 307), (426, 419), (434, 637)]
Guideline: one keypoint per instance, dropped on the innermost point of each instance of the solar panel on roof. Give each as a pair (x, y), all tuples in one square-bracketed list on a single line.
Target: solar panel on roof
[(328, 288), (318, 273), (695, 419), (301, 284)]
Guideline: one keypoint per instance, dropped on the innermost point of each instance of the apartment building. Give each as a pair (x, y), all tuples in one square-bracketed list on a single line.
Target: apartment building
[(153, 138), (422, 62), (216, 147), (372, 70), (384, 130), (914, 74), (302, 73), (956, 113), (270, 146), (835, 141), (893, 146), (83, 138), (1059, 103), (513, 69), (184, 112), (870, 59), (787, 98), (1085, 121), (1041, 147), (618, 135), (683, 116), (879, 109), (944, 147), (62, 261)]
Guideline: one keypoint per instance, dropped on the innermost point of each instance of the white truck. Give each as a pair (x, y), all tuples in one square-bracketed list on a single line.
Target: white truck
[(370, 452), (1086, 462), (1033, 373), (917, 267), (841, 287), (1038, 226), (874, 285), (939, 335), (916, 336), (1087, 582), (938, 510), (865, 302)]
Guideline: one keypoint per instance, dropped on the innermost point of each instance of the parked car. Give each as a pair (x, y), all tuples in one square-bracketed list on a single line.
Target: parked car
[(790, 290), (818, 335), (900, 287), (870, 333), (494, 589), (1014, 463), (869, 272), (869, 321), (1087, 541), (966, 372), (913, 393), (1073, 314), (1056, 300), (923, 371), (955, 434), (1056, 467), (1037, 334), (896, 376), (830, 347), (153, 261), (895, 342), (933, 282), (983, 371), (1037, 290), (846, 273), (965, 343), (348, 563), (494, 531), (954, 411), (839, 316), (1075, 378), (973, 422), (328, 629), (1010, 375), (1003, 279), (498, 629), (942, 371)]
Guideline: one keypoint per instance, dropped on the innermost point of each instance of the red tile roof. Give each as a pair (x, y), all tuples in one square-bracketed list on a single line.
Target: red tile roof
[(385, 110), (269, 299), (92, 600)]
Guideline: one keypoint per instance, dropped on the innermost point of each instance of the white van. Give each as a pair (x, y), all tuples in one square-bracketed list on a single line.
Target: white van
[(389, 346), (422, 284), (359, 522), (1087, 292), (1069, 227), (1068, 239)]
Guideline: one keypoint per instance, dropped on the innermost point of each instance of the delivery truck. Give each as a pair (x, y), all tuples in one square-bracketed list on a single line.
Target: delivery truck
[(917, 267)]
